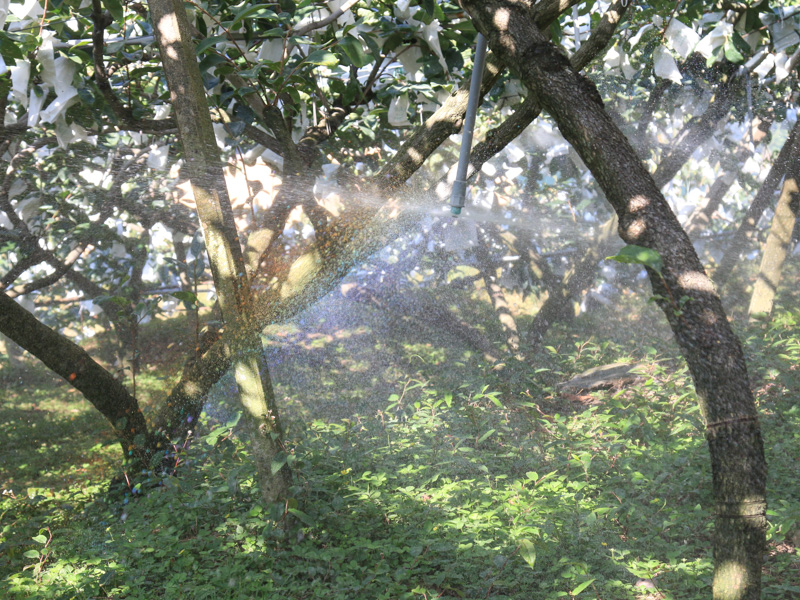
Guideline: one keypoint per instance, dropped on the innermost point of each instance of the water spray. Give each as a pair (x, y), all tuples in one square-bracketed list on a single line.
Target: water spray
[(459, 193)]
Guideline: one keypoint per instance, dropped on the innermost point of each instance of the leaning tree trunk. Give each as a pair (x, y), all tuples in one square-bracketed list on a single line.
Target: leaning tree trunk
[(778, 244), (701, 216), (187, 96), (789, 154), (686, 295), (101, 388)]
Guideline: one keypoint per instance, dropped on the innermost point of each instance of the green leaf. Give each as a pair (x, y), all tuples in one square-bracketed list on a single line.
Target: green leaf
[(256, 11), (632, 254), (40, 539), (486, 435), (582, 587), (185, 297), (115, 8), (741, 45), (429, 6), (211, 60), (323, 58), (303, 517), (732, 53), (354, 51), (210, 41), (278, 462), (716, 56), (528, 552), (9, 48), (31, 554), (555, 31)]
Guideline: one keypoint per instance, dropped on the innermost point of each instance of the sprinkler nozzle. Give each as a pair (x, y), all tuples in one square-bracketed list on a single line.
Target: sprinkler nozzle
[(457, 196)]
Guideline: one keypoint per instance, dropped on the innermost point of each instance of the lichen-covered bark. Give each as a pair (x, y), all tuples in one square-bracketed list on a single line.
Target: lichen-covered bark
[(685, 293)]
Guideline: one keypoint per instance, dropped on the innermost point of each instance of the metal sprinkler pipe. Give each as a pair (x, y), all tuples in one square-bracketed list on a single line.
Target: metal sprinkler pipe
[(459, 192)]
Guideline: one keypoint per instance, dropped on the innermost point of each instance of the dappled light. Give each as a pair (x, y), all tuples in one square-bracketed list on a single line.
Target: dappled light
[(693, 280), (730, 578), (319, 300)]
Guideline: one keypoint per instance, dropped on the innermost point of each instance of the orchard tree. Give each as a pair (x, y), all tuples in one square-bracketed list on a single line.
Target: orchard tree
[(121, 120)]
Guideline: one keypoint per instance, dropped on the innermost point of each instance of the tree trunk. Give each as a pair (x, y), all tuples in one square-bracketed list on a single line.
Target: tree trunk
[(187, 96), (561, 296), (70, 361), (497, 296), (777, 246), (684, 292), (789, 154), (701, 216)]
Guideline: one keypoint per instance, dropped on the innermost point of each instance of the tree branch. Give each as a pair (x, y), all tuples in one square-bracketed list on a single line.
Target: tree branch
[(102, 19), (300, 31)]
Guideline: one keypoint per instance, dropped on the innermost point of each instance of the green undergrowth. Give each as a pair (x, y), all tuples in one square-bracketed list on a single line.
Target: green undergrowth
[(497, 487)]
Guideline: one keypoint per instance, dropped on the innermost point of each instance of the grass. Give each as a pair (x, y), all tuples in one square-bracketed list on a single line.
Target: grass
[(461, 482)]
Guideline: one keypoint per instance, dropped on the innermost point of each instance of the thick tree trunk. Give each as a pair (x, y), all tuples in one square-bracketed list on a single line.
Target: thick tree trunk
[(778, 245), (187, 95), (685, 293)]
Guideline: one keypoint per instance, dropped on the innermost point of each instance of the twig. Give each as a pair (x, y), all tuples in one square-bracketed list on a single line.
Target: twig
[(326, 20)]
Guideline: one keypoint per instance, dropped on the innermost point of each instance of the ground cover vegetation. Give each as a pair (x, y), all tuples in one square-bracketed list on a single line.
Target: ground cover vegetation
[(190, 186), (453, 489)]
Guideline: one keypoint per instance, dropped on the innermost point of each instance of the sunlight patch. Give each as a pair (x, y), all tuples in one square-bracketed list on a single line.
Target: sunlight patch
[(730, 579), (501, 18), (637, 203), (695, 280)]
